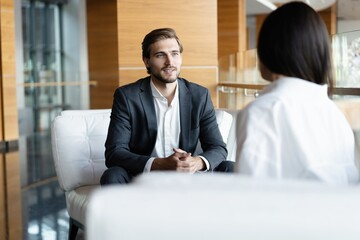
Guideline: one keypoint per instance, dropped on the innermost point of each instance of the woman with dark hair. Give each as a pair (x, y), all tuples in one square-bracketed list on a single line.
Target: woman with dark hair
[(293, 130)]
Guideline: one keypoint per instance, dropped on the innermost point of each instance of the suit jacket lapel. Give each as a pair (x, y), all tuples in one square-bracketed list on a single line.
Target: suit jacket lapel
[(147, 101), (185, 114)]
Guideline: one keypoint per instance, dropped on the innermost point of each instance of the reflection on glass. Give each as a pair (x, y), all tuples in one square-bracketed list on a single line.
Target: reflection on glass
[(45, 212), (241, 67), (346, 59)]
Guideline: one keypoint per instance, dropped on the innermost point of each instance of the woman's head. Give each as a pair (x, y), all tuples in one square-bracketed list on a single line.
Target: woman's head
[(293, 41)]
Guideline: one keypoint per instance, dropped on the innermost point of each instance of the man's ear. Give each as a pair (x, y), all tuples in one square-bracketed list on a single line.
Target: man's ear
[(146, 62)]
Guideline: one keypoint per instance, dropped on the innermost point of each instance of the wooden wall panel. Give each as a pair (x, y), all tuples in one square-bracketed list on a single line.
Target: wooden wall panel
[(242, 25), (205, 77), (329, 17), (1, 97), (195, 23), (10, 196), (10, 204), (3, 224), (228, 25), (8, 107), (131, 75), (231, 27), (12, 163), (102, 51)]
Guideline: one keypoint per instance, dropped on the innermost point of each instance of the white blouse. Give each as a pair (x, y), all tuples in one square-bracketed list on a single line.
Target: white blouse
[(293, 130)]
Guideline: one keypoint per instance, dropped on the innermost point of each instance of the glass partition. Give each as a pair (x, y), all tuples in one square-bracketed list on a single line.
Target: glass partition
[(346, 59), (240, 81)]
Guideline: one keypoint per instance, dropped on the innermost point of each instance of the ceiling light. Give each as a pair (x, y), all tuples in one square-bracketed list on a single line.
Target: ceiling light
[(268, 4)]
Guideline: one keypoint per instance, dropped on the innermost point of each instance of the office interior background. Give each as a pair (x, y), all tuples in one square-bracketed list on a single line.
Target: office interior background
[(72, 54)]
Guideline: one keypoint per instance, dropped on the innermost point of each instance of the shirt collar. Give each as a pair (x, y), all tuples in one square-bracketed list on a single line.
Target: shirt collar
[(157, 94)]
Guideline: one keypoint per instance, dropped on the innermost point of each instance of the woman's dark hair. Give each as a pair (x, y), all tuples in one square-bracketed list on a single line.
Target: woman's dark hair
[(293, 41), (157, 35)]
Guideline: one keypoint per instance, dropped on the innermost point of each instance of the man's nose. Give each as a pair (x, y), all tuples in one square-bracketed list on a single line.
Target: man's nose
[(169, 59)]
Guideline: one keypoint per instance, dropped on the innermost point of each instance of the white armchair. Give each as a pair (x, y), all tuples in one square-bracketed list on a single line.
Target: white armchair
[(78, 138)]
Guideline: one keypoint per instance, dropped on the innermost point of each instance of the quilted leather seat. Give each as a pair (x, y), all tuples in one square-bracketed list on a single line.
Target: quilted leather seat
[(78, 139)]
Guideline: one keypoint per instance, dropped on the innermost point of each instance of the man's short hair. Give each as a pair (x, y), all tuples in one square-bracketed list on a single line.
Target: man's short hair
[(157, 35)]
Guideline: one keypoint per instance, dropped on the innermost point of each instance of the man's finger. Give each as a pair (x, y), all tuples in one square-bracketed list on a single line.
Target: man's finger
[(178, 150)]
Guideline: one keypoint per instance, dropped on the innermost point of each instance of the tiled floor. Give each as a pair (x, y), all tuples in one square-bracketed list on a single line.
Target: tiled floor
[(43, 203)]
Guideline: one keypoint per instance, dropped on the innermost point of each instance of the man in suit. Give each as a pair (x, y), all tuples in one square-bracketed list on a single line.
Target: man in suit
[(157, 121)]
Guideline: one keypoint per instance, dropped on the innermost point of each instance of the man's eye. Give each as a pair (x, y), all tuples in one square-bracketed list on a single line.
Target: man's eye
[(160, 55)]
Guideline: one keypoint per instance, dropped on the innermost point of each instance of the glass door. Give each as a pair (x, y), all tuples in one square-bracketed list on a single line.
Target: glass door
[(42, 56)]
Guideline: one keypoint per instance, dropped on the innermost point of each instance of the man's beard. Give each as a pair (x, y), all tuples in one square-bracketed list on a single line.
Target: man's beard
[(164, 80)]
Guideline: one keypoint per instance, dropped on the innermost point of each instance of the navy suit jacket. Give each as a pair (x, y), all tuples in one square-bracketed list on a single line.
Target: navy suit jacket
[(133, 127)]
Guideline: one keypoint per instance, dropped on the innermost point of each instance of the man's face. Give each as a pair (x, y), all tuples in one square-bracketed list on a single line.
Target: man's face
[(165, 60)]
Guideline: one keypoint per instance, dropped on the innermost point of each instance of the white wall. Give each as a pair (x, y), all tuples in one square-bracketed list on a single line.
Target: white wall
[(348, 25)]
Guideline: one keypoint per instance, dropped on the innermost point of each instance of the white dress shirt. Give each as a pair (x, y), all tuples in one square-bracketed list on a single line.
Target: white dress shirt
[(293, 130), (168, 122)]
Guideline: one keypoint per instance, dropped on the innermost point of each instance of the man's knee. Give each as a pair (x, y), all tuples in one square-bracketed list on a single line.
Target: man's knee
[(225, 166), (115, 175)]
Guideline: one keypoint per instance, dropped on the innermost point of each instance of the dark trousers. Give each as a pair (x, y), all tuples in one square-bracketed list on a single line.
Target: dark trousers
[(118, 175)]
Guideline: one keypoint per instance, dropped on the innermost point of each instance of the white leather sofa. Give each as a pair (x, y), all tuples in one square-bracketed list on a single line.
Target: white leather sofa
[(221, 206), (163, 206), (78, 138)]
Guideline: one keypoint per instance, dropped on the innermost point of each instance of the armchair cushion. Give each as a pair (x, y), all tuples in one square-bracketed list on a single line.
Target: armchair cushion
[(78, 139)]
